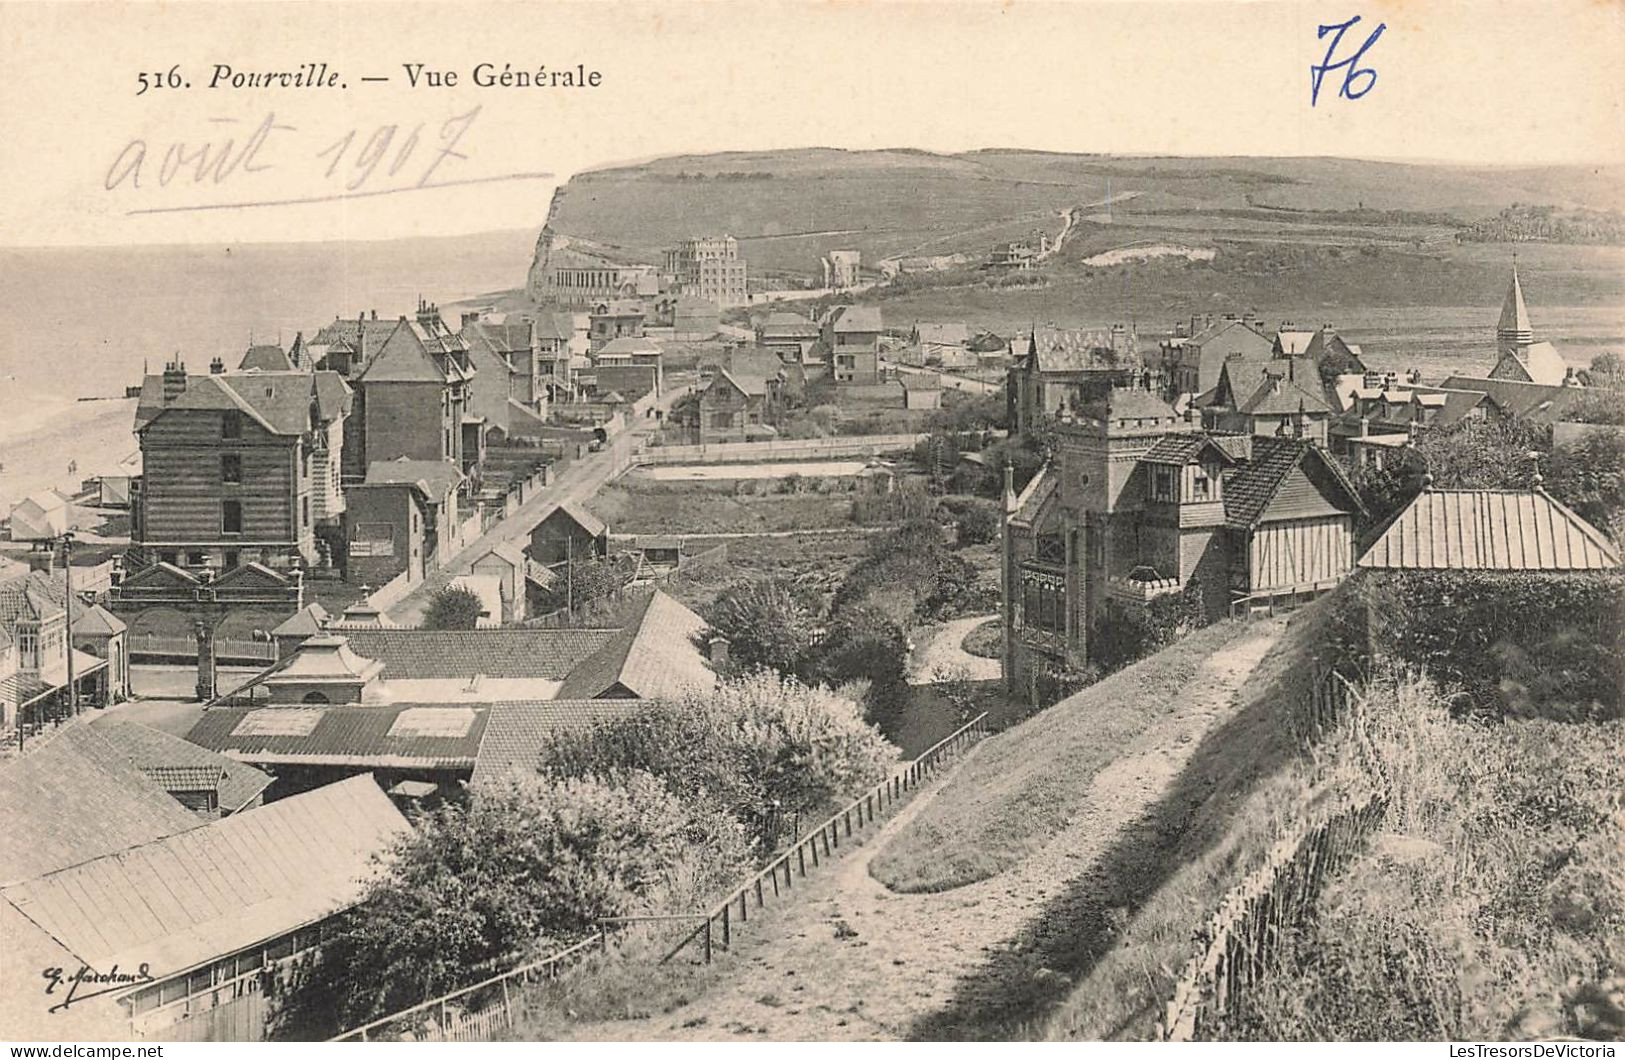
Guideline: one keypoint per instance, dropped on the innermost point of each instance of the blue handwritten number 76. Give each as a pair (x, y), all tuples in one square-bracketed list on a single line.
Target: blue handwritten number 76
[(1348, 89)]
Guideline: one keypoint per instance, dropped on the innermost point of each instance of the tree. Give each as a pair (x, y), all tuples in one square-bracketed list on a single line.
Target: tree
[(760, 748), (864, 643), (767, 625), (454, 607), (582, 581), (518, 871), (977, 526)]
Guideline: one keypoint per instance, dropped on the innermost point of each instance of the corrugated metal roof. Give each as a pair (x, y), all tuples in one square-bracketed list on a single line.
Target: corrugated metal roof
[(350, 736), (77, 798), (190, 898), (1508, 530)]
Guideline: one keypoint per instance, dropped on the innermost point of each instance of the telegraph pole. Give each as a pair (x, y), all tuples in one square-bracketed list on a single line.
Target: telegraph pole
[(67, 574)]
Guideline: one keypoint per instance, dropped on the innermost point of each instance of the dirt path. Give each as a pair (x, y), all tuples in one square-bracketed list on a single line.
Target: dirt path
[(942, 655), (851, 960)]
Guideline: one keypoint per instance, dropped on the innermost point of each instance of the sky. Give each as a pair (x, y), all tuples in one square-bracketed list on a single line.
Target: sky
[(90, 162)]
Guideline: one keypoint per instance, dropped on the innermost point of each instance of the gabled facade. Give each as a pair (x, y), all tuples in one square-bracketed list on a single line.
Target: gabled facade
[(237, 467), (851, 338), (1139, 502), (1192, 361), (735, 406), (1064, 369)]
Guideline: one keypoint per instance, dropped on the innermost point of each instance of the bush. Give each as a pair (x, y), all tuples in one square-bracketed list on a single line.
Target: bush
[(454, 607), (978, 526), (864, 643), (1124, 634), (517, 872), (761, 748), (767, 625)]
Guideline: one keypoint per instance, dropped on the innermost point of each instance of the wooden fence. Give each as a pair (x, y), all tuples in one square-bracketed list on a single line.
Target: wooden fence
[(487, 1008), (1244, 936), (803, 857), (225, 648)]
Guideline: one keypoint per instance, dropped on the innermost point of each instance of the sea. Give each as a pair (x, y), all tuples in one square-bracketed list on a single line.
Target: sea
[(85, 323)]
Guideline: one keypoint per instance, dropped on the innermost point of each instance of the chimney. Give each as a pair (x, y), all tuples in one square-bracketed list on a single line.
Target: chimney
[(217, 366), (717, 650), (1365, 426), (470, 318), (375, 314), (174, 380), (1009, 489)]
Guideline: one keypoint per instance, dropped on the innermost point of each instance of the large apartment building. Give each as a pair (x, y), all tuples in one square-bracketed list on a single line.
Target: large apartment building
[(709, 268)]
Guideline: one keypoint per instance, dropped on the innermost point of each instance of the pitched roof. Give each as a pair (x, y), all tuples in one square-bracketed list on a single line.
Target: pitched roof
[(72, 800), (516, 732), (955, 334), (153, 750), (1039, 489), (1293, 343), (920, 380), (1249, 489), (629, 344), (278, 401), (1131, 403), (655, 657), (1534, 401), (1507, 530), (437, 478), (508, 653), (30, 596), (403, 357), (305, 622), (589, 523), (1185, 449), (1537, 362), (187, 899), (97, 621), (1278, 396), (401, 736), (266, 358), (845, 319), (1072, 350), (746, 382)]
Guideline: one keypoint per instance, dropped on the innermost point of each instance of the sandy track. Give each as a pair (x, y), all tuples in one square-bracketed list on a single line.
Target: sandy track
[(851, 960)]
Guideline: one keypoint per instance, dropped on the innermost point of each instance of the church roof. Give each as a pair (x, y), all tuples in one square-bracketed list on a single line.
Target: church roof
[(1536, 362), (1514, 327)]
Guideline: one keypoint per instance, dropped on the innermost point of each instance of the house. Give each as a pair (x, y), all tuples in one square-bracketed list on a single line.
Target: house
[(1520, 358), (790, 336), (1275, 396), (40, 516), (921, 390), (568, 532), (237, 468), (411, 380), (399, 519), (1065, 368), (738, 405), (1017, 256), (608, 321), (1193, 357), (487, 588), (1324, 348), (851, 336), (694, 320), (947, 345), (507, 563), (1138, 502), (843, 269), (506, 371), (709, 268), (99, 632), (34, 620), (114, 486), (238, 899)]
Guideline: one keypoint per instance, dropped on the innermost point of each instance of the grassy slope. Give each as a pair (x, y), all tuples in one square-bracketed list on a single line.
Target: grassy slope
[(637, 505), (892, 202), (1024, 785)]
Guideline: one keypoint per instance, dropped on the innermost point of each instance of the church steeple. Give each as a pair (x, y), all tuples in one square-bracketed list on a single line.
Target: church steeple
[(1514, 330)]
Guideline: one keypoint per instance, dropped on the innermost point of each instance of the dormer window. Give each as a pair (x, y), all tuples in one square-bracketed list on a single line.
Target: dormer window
[(1164, 483), (1201, 486)]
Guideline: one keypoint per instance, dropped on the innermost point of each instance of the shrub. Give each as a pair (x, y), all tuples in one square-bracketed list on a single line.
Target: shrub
[(767, 625), (454, 607), (978, 526), (760, 748), (1124, 633), (517, 871), (864, 643)]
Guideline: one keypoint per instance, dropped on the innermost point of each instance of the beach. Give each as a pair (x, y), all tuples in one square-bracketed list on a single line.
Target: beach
[(46, 434)]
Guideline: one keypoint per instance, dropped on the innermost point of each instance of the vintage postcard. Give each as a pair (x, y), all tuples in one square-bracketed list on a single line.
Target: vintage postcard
[(970, 521)]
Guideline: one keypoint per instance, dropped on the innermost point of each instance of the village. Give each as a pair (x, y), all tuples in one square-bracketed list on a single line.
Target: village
[(651, 530)]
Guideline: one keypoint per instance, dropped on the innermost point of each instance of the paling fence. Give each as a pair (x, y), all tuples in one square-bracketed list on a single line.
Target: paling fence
[(1243, 938), (488, 1008)]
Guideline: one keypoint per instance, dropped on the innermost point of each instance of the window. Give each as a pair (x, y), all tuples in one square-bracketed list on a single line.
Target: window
[(232, 562), (315, 697), (231, 468), (1201, 488), (1051, 549), (169, 556), (1162, 484), (231, 517), (1044, 604), (196, 559), (231, 424), (304, 511)]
